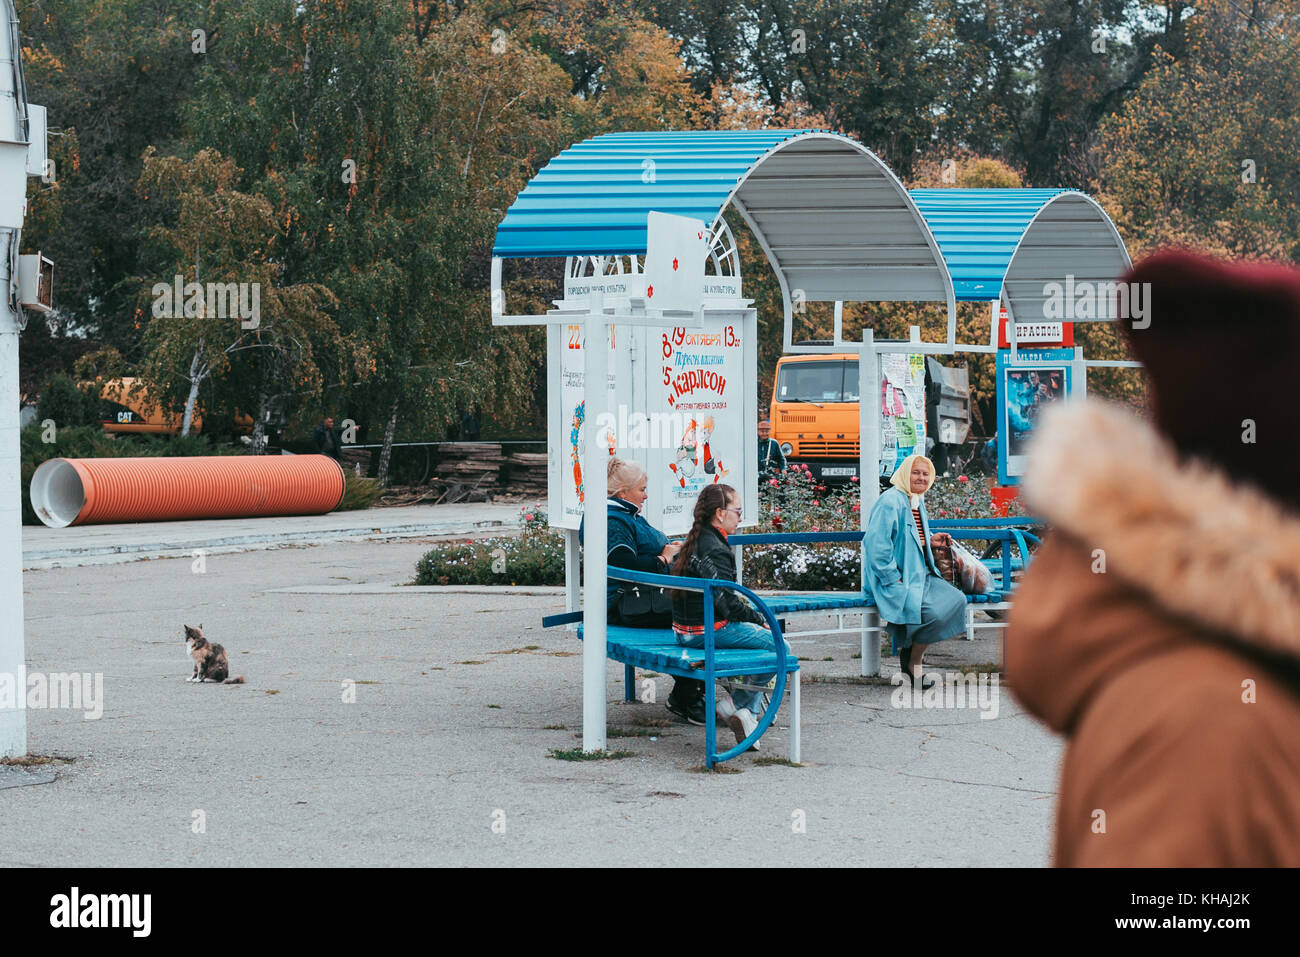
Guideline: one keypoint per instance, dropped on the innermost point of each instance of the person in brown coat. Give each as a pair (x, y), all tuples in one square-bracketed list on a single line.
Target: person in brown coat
[(1158, 627)]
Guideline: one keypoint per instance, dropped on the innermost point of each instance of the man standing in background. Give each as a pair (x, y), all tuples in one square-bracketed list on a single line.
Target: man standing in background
[(324, 440), (770, 458)]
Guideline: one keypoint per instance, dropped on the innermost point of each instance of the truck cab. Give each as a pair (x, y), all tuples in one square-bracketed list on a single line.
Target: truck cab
[(814, 413)]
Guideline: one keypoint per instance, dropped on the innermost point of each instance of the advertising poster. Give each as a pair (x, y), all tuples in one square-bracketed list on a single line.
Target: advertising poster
[(575, 426), (902, 408), (699, 398), (1023, 393)]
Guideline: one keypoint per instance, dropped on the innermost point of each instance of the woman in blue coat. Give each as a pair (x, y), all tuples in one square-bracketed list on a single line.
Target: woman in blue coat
[(920, 607)]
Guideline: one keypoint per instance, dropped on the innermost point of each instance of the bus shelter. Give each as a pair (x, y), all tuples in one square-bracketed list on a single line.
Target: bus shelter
[(651, 271)]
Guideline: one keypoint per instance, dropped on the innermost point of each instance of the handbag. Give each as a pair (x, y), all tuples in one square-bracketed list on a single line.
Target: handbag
[(958, 566), (644, 606), (941, 548)]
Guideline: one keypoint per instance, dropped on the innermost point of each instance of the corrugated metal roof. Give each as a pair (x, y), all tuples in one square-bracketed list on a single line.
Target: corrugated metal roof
[(1016, 241), (593, 198), (833, 220)]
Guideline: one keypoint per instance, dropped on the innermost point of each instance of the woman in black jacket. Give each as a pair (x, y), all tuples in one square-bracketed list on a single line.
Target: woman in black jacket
[(637, 545), (705, 554)]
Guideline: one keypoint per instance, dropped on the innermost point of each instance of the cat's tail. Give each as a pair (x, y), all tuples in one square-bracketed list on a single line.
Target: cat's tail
[(238, 680)]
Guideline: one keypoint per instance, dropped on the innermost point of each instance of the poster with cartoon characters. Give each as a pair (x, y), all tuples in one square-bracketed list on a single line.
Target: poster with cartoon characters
[(701, 391), (681, 405)]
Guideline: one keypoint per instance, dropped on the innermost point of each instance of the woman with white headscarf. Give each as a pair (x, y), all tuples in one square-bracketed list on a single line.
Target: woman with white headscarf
[(920, 607)]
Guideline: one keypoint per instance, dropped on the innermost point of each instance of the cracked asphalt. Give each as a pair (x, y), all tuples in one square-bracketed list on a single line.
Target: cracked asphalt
[(443, 758)]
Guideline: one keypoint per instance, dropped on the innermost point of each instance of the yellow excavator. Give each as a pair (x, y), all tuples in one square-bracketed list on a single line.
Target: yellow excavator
[(130, 408)]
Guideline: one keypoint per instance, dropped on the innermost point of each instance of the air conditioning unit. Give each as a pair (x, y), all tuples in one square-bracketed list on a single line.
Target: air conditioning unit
[(36, 282), (37, 147)]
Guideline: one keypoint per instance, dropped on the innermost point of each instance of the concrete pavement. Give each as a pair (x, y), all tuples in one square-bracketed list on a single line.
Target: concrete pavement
[(387, 725), (99, 544)]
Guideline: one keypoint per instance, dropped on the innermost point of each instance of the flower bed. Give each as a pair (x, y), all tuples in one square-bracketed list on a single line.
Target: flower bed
[(535, 557)]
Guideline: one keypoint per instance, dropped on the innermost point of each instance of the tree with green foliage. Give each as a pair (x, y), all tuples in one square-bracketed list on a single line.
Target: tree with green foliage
[(212, 252), (1202, 155)]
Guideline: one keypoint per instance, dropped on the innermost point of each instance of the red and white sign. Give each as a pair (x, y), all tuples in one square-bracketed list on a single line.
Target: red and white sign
[(676, 248), (1037, 333)]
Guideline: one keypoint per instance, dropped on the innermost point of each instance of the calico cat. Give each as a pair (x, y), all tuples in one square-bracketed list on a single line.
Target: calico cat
[(210, 661)]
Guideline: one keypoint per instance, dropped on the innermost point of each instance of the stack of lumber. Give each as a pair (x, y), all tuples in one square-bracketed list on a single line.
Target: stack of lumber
[(525, 473), (472, 464)]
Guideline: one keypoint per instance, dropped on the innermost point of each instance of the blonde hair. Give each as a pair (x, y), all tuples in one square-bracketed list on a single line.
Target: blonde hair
[(623, 475)]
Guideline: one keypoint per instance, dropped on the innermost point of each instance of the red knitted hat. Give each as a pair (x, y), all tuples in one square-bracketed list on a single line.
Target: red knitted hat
[(1221, 344)]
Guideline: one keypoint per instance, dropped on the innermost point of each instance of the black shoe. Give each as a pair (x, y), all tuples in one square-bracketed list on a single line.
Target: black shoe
[(692, 710), (905, 662)]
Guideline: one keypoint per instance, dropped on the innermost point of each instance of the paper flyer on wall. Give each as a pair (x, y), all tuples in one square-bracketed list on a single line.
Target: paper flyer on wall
[(902, 408)]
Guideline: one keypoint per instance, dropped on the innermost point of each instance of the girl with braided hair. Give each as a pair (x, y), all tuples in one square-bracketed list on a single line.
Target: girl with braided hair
[(705, 554)]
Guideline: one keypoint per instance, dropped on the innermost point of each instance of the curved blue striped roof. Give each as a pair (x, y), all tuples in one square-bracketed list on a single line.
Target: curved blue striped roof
[(978, 231), (593, 198)]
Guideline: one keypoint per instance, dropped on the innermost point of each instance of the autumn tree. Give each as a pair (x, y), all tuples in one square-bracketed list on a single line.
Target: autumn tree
[(210, 243), (1203, 154)]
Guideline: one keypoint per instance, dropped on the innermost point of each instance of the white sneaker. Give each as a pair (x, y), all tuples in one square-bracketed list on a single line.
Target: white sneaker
[(724, 706), (743, 724)]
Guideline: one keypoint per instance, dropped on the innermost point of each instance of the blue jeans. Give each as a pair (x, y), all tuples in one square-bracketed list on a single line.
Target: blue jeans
[(740, 634)]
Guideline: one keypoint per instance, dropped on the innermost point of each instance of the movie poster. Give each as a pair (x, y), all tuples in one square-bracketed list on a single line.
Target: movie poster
[(1023, 393)]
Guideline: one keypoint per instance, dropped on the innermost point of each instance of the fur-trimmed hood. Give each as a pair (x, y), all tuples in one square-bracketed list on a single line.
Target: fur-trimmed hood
[(1148, 555), (1201, 546), (1158, 628)]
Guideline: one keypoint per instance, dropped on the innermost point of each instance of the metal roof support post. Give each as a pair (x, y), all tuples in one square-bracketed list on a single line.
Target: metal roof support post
[(952, 320), (13, 719), (868, 465), (17, 155), (572, 586), (498, 293), (1078, 375), (595, 353)]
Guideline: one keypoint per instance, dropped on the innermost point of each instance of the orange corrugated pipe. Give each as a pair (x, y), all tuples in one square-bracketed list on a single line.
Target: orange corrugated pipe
[(87, 491)]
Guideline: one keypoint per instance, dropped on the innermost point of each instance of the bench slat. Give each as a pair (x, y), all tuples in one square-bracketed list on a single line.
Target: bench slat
[(656, 649)]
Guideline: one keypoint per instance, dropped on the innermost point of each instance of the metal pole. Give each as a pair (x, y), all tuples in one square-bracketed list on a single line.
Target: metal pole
[(13, 713), (572, 558), (13, 182), (1079, 373), (869, 475), (595, 356)]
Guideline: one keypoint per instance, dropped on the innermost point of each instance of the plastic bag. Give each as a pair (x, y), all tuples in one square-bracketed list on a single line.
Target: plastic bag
[(976, 579)]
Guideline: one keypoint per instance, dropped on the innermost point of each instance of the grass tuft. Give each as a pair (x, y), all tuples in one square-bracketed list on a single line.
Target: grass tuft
[(34, 760), (577, 754), (784, 762), (717, 769)]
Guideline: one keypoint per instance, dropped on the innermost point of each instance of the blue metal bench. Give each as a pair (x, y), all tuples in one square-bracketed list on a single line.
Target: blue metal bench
[(1004, 568), (656, 649)]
